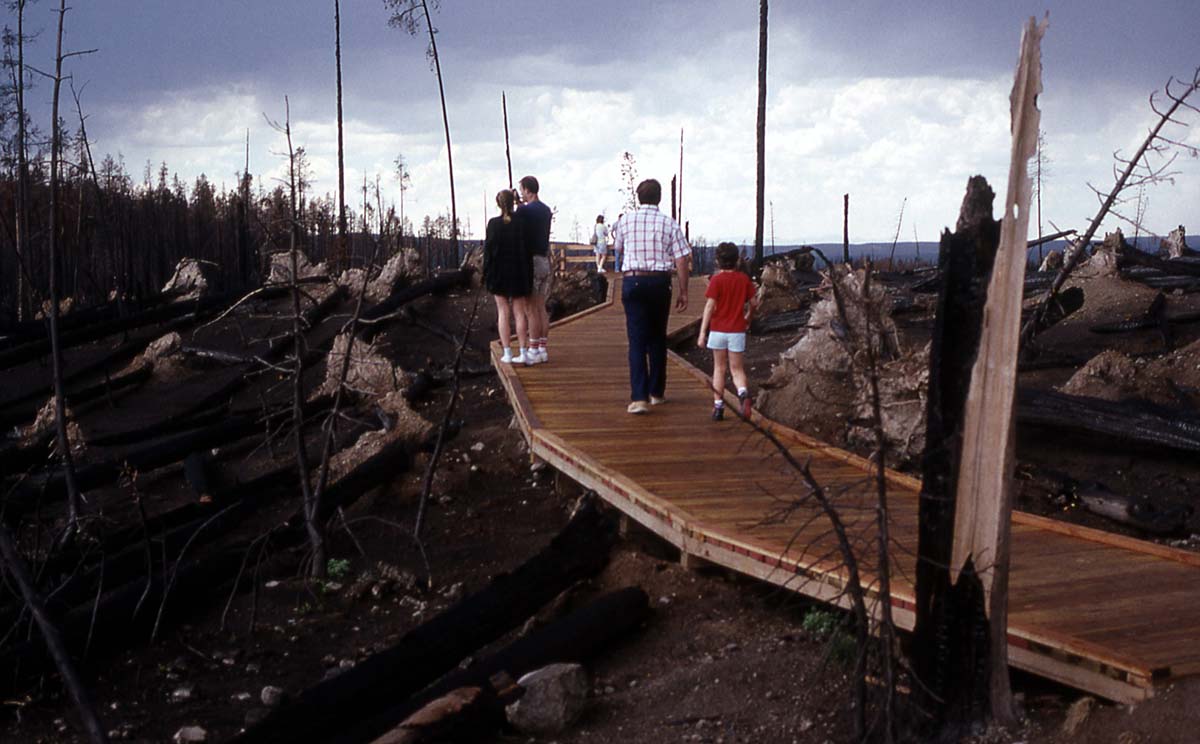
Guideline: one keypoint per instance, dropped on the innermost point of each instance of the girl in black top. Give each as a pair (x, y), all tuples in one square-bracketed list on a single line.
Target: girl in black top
[(508, 275)]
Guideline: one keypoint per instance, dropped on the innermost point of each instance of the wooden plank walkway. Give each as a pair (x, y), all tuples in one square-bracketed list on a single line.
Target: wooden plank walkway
[(1105, 613)]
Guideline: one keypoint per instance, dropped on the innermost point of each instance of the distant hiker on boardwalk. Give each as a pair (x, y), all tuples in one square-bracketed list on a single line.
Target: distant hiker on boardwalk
[(650, 244), (600, 242), (730, 305), (534, 218), (508, 275)]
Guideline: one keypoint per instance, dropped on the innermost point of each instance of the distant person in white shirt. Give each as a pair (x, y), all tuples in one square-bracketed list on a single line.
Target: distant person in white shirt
[(600, 242)]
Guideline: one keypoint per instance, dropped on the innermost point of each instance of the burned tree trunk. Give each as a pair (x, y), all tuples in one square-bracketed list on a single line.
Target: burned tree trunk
[(761, 136), (960, 648), (60, 404), (951, 638)]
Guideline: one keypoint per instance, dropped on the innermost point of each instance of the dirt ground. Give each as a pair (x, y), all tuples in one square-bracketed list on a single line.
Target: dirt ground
[(721, 658)]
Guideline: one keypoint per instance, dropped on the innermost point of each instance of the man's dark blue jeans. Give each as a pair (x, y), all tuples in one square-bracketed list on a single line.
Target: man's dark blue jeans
[(647, 301)]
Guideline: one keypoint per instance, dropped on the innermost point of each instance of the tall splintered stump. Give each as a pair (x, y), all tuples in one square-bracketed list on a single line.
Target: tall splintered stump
[(951, 639)]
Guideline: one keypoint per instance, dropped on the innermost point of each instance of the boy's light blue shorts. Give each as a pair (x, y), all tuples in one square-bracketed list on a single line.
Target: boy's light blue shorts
[(731, 341)]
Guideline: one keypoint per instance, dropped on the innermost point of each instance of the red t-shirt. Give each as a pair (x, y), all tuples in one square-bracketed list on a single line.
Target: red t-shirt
[(732, 290)]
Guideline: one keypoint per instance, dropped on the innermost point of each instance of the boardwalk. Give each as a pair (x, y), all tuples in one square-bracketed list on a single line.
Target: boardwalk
[(1104, 613)]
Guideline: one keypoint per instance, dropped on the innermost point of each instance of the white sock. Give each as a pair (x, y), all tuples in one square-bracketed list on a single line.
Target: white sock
[(718, 404), (742, 391), (507, 354)]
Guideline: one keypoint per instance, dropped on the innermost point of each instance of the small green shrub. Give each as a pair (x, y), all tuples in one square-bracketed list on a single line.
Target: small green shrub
[(337, 568), (828, 626), (821, 623)]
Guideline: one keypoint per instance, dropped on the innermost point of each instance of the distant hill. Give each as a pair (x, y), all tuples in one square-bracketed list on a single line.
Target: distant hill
[(926, 252)]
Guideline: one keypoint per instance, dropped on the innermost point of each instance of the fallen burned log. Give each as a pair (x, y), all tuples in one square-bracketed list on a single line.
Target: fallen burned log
[(1138, 324), (432, 649), (275, 349), (199, 308), (25, 413), (33, 330), (1167, 266), (372, 316), (121, 558), (1137, 422), (574, 637), (786, 321), (124, 615)]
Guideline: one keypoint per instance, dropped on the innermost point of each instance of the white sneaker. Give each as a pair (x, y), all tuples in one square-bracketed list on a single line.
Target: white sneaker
[(519, 359), (532, 358), (507, 357), (542, 356)]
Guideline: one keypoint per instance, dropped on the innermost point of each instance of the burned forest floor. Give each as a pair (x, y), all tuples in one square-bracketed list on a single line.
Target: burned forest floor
[(720, 659)]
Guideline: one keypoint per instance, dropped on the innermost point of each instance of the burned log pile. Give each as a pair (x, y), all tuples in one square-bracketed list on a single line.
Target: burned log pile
[(184, 437)]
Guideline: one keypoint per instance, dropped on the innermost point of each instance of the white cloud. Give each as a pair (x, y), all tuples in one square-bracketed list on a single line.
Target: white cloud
[(881, 139)]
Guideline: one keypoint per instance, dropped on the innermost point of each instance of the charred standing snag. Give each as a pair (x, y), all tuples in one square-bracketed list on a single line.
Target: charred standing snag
[(950, 644), (960, 649), (430, 650)]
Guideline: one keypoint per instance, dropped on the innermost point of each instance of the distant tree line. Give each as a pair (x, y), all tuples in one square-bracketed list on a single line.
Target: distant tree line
[(122, 237)]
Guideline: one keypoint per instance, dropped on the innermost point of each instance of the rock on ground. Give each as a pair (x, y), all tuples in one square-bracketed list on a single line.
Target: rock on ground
[(190, 734), (370, 373), (281, 267), (191, 279), (554, 698)]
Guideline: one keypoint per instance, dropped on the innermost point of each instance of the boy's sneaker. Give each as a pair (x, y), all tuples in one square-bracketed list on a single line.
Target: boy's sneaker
[(532, 358), (506, 357), (521, 358), (744, 400), (718, 413), (542, 356)]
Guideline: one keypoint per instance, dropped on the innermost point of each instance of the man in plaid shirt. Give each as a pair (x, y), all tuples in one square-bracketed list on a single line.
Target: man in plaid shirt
[(650, 244)]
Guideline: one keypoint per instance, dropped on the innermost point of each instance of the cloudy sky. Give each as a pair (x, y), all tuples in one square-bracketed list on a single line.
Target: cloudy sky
[(886, 101)]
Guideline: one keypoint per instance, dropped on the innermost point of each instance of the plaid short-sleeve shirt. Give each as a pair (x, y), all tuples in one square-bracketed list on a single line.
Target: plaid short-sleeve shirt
[(649, 240)]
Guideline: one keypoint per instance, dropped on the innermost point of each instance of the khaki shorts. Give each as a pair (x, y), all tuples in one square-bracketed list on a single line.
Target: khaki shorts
[(543, 277)]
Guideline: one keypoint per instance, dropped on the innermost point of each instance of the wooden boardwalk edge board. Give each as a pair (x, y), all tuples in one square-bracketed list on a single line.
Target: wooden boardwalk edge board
[(1037, 649)]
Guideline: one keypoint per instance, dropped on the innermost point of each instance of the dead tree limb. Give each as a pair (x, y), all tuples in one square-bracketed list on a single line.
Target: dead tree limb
[(1155, 142), (60, 405), (54, 641)]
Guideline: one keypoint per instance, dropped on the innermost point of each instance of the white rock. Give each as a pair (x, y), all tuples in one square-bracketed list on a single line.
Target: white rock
[(271, 696), (190, 734), (554, 698)]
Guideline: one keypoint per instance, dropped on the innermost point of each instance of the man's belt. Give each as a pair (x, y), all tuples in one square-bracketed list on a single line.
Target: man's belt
[(641, 272)]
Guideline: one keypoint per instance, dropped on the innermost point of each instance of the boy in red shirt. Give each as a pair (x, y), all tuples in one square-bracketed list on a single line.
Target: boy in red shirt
[(731, 303)]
